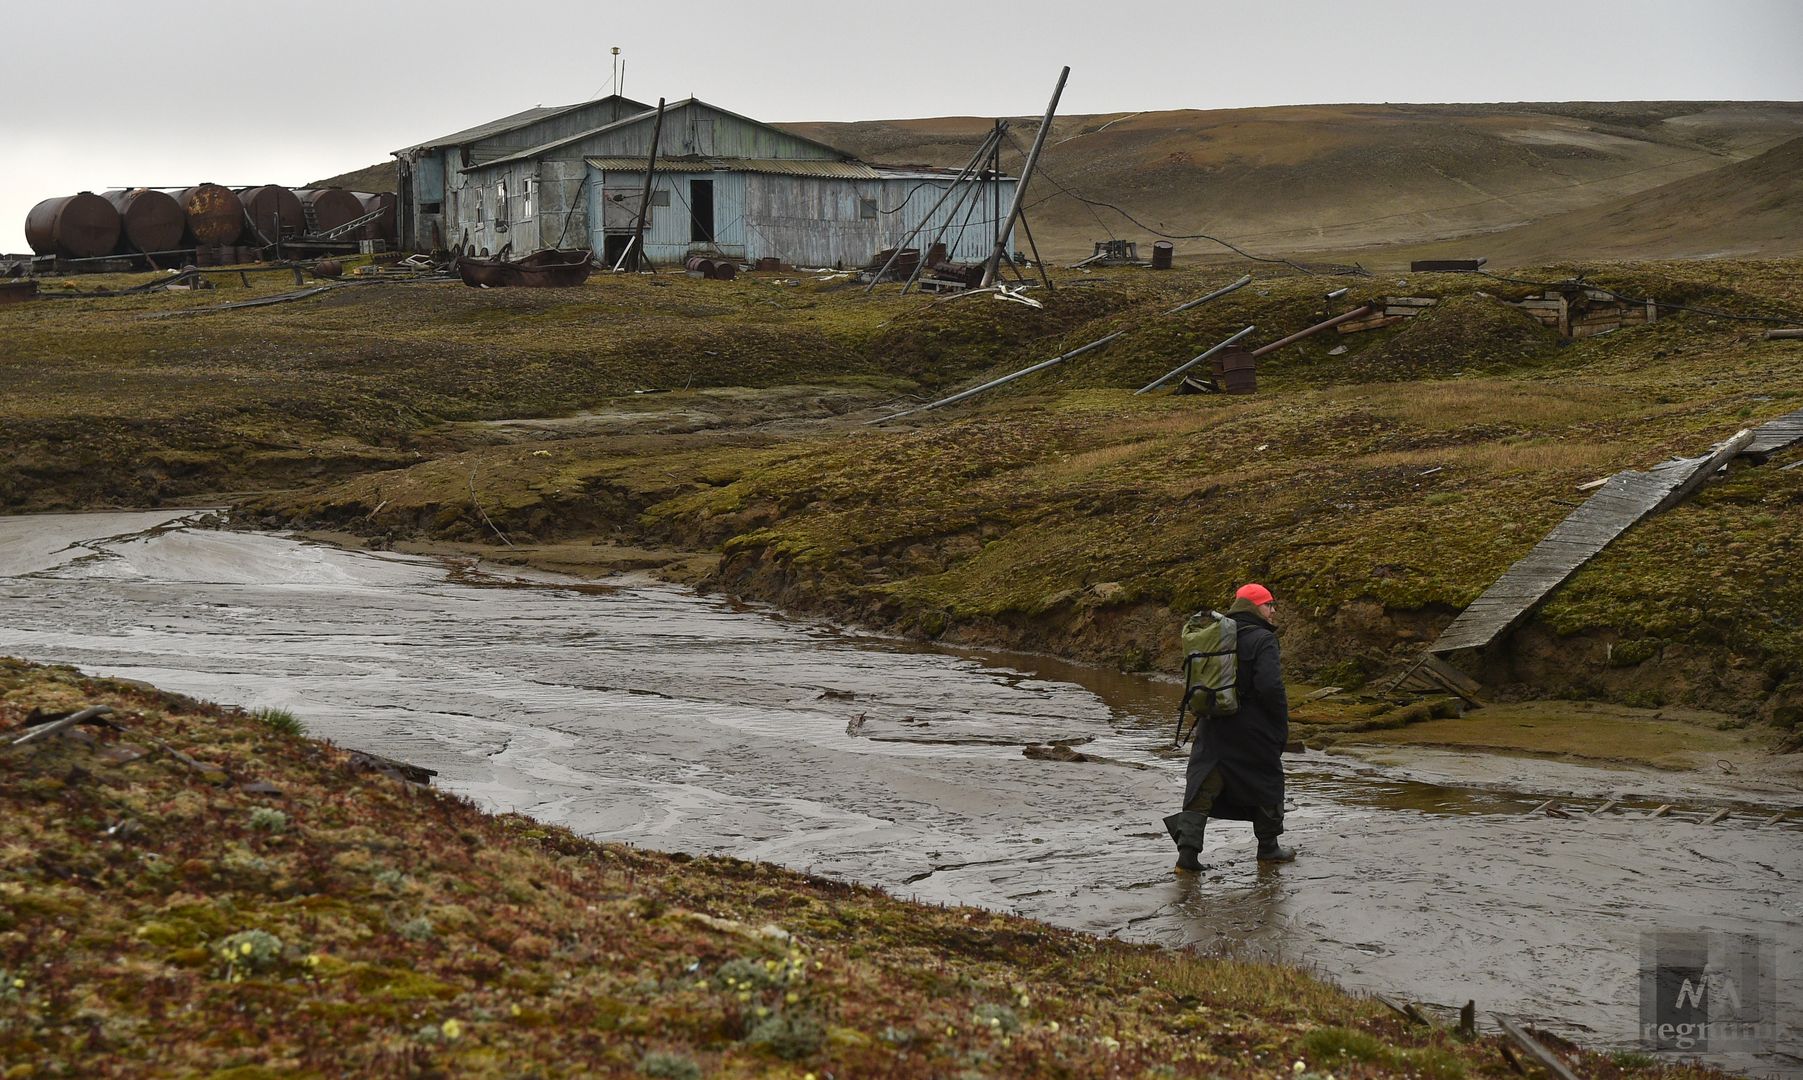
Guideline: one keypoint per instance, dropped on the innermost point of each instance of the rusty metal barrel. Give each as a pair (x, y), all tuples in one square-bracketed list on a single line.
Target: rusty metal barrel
[(1236, 370), (273, 209), (83, 226), (384, 227), (1161, 255), (331, 207), (698, 266), (149, 220), (215, 215)]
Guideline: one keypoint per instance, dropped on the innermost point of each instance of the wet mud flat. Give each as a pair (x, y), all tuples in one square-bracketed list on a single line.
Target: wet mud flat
[(643, 712)]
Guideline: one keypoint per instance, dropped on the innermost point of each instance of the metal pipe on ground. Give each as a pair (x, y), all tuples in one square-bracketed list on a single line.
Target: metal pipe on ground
[(1181, 368), (1218, 293), (1355, 313), (993, 383)]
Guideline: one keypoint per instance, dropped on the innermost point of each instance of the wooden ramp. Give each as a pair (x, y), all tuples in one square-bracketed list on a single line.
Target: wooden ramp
[(1616, 507), (1770, 438)]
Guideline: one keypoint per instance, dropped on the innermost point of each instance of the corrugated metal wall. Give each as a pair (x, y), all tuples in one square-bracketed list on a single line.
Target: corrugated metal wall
[(802, 220), (809, 221), (668, 235)]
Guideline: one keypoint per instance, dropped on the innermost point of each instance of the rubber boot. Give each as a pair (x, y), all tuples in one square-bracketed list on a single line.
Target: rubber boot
[(1272, 852), (1186, 831)]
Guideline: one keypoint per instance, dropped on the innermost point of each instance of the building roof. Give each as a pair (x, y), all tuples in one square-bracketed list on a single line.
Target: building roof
[(510, 123), (647, 116), (855, 170)]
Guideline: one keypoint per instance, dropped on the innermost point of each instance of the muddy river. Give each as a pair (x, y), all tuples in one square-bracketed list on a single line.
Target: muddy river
[(647, 713)]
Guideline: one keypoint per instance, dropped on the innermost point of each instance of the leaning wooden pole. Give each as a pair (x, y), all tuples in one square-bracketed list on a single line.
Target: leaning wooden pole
[(637, 250), (1005, 227), (975, 163)]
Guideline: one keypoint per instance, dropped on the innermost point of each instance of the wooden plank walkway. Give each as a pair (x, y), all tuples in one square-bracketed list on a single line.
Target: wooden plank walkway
[(1615, 508), (1770, 438)]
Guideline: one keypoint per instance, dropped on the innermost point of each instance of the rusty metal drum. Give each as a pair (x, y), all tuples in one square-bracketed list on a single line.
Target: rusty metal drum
[(149, 220), (83, 226), (331, 207), (273, 210), (215, 215)]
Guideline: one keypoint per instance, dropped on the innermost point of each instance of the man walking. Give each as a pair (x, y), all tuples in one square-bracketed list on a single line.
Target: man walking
[(1236, 766)]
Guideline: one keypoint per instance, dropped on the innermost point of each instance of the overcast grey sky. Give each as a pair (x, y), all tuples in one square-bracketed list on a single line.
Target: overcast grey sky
[(107, 93)]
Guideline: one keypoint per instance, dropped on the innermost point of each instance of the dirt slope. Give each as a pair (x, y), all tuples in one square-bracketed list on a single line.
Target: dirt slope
[(1298, 179)]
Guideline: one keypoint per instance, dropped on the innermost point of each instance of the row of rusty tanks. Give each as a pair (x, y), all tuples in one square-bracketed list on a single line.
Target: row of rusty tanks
[(156, 221)]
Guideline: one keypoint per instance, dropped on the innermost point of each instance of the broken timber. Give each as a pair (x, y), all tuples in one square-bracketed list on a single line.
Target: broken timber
[(1620, 504), (1770, 438)]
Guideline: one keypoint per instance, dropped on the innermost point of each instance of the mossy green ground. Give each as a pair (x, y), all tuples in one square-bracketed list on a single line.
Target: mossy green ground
[(156, 918), (1377, 491)]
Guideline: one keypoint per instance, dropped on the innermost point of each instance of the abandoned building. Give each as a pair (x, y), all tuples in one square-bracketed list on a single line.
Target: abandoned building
[(724, 184)]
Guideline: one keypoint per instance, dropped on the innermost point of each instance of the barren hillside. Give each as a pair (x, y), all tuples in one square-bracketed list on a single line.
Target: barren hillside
[(1747, 208), (1297, 179)]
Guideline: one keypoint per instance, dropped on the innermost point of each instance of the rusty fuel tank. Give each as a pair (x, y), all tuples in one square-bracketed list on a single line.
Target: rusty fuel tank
[(215, 216), (272, 209), (383, 228), (83, 226), (331, 207), (149, 220)]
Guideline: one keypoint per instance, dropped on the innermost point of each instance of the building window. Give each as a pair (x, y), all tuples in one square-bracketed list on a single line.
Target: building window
[(480, 218), (867, 209), (501, 202), (660, 197), (526, 199)]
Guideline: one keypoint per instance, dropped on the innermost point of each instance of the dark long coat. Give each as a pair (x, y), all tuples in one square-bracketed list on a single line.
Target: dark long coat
[(1248, 746)]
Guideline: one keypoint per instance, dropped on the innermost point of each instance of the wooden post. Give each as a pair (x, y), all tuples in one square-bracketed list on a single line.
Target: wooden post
[(637, 248), (62, 725), (1541, 1055), (1006, 226)]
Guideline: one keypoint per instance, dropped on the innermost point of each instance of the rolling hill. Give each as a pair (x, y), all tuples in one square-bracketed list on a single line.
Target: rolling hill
[(1339, 178)]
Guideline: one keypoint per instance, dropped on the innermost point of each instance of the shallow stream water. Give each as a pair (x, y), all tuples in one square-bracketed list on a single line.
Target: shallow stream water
[(647, 713)]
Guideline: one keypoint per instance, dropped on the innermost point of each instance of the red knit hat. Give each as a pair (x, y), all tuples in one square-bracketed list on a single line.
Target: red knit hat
[(1255, 593)]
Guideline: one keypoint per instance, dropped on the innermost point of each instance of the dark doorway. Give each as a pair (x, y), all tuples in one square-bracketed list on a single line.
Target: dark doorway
[(613, 245), (701, 211)]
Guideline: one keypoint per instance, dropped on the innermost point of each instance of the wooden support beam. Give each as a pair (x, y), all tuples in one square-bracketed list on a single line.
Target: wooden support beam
[(1715, 817), (1606, 807), (1663, 810), (1543, 1057), (59, 726)]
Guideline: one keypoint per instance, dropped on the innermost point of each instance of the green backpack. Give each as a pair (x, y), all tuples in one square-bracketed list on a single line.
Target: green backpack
[(1210, 667)]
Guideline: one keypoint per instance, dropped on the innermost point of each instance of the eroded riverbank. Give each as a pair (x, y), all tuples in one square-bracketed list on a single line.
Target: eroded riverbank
[(644, 712)]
